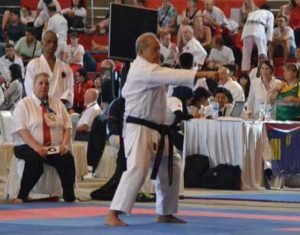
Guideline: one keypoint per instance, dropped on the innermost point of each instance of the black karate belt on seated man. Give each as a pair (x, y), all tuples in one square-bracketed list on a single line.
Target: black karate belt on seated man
[(163, 130)]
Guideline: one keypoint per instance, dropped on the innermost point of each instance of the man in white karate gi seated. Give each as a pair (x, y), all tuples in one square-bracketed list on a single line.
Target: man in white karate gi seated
[(145, 116), (192, 45), (61, 79)]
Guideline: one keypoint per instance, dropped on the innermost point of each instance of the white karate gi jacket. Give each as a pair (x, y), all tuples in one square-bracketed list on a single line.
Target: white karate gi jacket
[(61, 79)]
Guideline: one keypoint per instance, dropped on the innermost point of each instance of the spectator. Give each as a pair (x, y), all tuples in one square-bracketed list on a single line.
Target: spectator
[(34, 132), (102, 27), (9, 58), (188, 15), (193, 46), (219, 54), (75, 15), (234, 87), (81, 85), (187, 18), (199, 102), (26, 16), (15, 28), (168, 49), (28, 47), (222, 97), (255, 72), (295, 15), (74, 53), (261, 89), (215, 18), (186, 60), (91, 111), (284, 39), (285, 10), (288, 95), (13, 93), (42, 14), (202, 33), (167, 15), (244, 81)]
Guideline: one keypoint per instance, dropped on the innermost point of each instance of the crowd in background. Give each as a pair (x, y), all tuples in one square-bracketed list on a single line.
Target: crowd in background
[(194, 39)]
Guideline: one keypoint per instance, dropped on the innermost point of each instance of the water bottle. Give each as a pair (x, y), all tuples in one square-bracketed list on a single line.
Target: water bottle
[(262, 110), (268, 112), (215, 109)]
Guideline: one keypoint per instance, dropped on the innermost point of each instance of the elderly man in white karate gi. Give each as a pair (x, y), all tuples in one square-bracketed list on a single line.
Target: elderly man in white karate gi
[(257, 30), (192, 45), (145, 95), (61, 75)]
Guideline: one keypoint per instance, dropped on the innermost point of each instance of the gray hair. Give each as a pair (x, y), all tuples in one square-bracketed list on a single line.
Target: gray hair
[(188, 28), (42, 74), (142, 41)]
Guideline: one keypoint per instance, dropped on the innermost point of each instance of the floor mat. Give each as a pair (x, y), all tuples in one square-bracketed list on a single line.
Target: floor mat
[(75, 219)]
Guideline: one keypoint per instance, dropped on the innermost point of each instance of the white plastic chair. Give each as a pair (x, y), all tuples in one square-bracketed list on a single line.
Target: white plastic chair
[(6, 126), (74, 119)]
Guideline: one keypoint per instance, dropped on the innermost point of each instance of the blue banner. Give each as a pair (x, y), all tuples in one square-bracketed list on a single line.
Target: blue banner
[(285, 147)]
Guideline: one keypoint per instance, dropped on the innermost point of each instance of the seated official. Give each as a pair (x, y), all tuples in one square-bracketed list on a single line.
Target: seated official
[(287, 95), (92, 110), (41, 122)]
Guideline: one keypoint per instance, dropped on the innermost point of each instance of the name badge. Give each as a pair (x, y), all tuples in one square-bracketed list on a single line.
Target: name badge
[(53, 120)]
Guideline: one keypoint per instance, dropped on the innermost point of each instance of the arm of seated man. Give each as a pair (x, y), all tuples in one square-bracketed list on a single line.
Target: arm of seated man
[(82, 128)]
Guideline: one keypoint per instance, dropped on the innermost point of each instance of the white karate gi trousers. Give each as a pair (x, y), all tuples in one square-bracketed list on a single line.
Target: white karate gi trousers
[(139, 142), (248, 43)]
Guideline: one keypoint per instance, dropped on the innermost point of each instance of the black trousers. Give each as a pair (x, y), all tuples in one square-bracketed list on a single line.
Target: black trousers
[(33, 170)]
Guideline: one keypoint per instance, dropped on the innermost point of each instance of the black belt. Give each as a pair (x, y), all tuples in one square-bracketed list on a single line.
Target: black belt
[(255, 22), (163, 130)]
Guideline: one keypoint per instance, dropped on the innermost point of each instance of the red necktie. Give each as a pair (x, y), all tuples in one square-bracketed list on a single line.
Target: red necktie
[(46, 128)]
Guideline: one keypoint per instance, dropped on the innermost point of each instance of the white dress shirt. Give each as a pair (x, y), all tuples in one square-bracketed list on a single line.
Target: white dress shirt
[(72, 51), (61, 78), (194, 47), (260, 24), (235, 89), (258, 95), (145, 89), (28, 115), (222, 56), (92, 110)]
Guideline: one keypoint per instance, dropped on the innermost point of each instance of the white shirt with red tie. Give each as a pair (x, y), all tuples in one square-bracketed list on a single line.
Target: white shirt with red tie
[(28, 115)]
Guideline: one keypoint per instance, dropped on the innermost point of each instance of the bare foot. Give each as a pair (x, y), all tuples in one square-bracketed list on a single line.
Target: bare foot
[(112, 219), (18, 201), (169, 219)]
